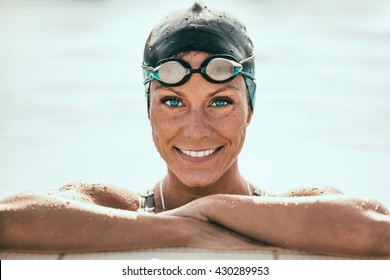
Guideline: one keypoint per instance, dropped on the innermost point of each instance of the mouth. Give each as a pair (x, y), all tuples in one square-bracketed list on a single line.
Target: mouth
[(199, 154)]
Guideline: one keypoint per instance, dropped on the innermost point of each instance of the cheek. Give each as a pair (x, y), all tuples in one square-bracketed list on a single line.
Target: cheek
[(233, 126), (155, 123), (163, 129)]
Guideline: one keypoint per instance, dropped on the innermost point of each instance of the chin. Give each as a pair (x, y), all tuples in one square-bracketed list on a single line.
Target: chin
[(198, 181)]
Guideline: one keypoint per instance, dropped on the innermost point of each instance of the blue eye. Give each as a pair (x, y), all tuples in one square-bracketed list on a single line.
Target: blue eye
[(171, 102), (222, 102)]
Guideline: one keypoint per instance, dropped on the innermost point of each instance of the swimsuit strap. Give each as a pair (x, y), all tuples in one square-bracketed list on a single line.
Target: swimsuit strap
[(248, 186)]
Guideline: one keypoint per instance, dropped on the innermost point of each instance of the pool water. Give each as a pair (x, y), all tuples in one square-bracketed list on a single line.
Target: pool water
[(72, 105)]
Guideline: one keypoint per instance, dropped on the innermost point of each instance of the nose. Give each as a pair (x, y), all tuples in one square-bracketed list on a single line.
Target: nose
[(197, 124)]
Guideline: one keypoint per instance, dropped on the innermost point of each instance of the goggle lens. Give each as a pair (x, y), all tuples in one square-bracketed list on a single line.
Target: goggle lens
[(170, 72), (222, 69)]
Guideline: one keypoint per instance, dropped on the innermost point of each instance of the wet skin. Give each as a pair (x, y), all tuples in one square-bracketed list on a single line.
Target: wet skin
[(199, 129)]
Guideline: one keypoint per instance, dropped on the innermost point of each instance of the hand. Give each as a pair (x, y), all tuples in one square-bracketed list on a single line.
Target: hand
[(209, 234), (196, 209)]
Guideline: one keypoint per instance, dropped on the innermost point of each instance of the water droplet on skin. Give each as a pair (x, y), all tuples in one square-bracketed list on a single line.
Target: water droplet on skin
[(376, 207)]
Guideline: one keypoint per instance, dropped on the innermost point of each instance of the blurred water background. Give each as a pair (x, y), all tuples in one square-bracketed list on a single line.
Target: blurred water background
[(72, 104)]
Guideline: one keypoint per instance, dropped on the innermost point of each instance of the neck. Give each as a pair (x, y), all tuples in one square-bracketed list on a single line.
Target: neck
[(175, 193)]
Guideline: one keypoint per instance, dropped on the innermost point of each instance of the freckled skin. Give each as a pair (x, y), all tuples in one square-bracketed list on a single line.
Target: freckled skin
[(198, 125)]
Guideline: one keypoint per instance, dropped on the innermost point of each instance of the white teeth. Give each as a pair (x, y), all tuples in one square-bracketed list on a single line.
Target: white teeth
[(198, 154)]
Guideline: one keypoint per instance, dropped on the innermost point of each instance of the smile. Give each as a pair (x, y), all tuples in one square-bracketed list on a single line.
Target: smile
[(198, 154)]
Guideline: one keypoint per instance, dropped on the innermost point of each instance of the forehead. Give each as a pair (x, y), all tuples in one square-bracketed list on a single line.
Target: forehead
[(194, 58)]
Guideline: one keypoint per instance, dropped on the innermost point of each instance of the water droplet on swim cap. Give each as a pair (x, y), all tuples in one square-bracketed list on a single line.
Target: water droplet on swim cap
[(218, 35), (201, 29)]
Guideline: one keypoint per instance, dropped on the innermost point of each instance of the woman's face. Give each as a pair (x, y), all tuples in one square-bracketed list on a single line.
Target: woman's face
[(199, 127)]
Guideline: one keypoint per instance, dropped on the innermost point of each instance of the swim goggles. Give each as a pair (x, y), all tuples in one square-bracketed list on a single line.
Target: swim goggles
[(215, 69)]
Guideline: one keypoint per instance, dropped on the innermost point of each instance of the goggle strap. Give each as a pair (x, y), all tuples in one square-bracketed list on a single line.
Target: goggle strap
[(148, 80), (247, 59), (245, 74)]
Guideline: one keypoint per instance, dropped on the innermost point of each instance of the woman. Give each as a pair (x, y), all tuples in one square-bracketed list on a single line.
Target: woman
[(199, 79)]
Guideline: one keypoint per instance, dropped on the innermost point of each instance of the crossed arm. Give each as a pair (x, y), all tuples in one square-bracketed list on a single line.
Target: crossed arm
[(86, 220), (326, 224)]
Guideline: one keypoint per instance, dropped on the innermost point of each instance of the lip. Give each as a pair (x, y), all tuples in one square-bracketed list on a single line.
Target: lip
[(198, 156)]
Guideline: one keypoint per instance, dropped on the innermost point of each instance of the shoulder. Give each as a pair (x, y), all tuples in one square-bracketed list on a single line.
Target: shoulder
[(102, 194), (311, 191)]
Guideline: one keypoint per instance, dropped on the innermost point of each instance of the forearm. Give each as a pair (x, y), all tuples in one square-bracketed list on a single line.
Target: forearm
[(333, 225), (66, 225), (59, 224)]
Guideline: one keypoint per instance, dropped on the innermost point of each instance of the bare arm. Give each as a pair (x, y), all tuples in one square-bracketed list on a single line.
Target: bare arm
[(44, 222), (326, 224)]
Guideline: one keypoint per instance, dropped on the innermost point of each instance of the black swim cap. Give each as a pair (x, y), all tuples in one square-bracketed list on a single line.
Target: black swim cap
[(201, 29)]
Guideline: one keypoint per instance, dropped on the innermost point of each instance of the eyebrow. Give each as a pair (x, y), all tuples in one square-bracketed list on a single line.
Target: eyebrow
[(178, 92), (222, 89), (211, 94)]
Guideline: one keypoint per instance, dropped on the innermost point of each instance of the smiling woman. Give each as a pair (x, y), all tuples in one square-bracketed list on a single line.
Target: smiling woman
[(199, 130), (199, 80)]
